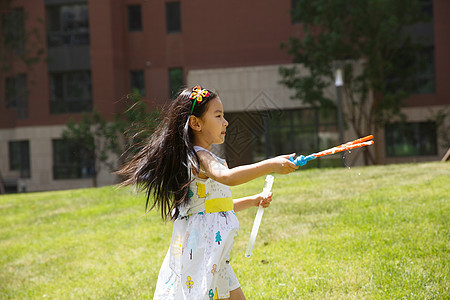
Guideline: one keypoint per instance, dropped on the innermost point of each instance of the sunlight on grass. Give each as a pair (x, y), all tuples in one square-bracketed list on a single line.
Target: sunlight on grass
[(373, 232)]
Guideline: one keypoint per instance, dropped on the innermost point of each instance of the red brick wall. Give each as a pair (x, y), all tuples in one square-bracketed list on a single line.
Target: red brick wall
[(215, 34)]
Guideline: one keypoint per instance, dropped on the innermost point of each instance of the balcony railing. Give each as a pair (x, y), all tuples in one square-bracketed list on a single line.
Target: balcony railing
[(63, 107), (57, 39)]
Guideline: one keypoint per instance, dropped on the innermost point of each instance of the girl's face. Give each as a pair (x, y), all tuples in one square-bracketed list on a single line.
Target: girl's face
[(212, 124)]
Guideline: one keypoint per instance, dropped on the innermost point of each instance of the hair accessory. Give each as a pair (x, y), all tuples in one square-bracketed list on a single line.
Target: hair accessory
[(197, 95)]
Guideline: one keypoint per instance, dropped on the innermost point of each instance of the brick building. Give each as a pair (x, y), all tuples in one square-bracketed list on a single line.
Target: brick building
[(98, 51)]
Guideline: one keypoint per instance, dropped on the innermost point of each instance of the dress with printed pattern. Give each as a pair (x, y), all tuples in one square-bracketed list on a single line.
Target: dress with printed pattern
[(196, 265)]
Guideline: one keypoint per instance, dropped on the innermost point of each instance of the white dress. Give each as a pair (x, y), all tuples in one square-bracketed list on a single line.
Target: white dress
[(197, 263)]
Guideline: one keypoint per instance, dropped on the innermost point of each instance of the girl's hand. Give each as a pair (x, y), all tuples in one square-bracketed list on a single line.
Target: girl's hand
[(264, 201), (282, 165), (252, 201)]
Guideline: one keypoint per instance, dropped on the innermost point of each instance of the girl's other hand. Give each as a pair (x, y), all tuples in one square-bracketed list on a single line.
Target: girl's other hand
[(282, 165), (264, 201)]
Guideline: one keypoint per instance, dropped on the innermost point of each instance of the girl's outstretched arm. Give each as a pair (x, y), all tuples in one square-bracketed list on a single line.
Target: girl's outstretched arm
[(251, 201), (242, 174)]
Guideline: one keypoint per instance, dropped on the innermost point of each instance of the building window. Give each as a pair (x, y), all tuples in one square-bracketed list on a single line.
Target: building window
[(411, 139), (70, 92), (13, 29), (294, 20), (267, 133), (67, 24), (176, 81), (173, 17), (16, 94), (134, 18), (303, 131), (72, 160), (137, 82), (425, 78), (19, 158), (427, 7)]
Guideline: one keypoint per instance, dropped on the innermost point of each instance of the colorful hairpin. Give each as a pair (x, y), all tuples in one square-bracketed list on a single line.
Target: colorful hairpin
[(197, 95)]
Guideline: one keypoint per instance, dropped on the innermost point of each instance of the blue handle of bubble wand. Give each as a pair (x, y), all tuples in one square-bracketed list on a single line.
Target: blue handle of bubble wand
[(302, 160)]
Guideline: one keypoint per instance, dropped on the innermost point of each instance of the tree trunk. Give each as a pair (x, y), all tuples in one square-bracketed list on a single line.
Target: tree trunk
[(94, 179), (96, 171), (368, 157)]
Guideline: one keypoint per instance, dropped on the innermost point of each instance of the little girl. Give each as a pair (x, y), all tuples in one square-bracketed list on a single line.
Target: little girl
[(191, 185)]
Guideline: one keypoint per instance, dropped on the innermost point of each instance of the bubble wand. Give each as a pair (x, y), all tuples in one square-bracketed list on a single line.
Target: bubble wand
[(251, 242), (361, 142), (300, 161)]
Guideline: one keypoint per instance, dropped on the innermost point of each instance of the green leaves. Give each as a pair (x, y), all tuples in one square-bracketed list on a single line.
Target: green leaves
[(374, 44), (18, 42), (110, 142)]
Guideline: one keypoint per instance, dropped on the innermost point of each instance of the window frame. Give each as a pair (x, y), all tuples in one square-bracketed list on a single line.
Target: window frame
[(173, 17), (134, 25), (22, 162), (16, 94), (411, 135), (57, 36), (13, 29), (134, 74), (293, 8), (71, 161), (66, 103)]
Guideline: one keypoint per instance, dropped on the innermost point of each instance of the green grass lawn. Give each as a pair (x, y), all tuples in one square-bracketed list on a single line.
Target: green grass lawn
[(363, 233)]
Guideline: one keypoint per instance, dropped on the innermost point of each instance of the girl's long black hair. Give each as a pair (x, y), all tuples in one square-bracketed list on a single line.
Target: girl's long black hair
[(161, 167)]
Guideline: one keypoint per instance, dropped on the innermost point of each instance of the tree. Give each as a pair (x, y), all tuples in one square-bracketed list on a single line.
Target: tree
[(218, 237), (104, 141), (370, 41), (18, 43), (88, 135)]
